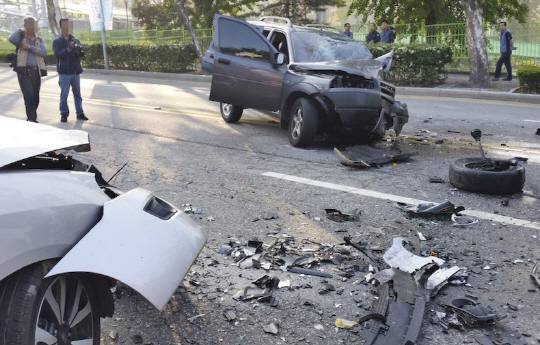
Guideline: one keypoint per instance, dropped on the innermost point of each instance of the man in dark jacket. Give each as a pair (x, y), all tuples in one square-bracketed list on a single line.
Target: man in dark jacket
[(373, 36), (68, 52), (507, 45)]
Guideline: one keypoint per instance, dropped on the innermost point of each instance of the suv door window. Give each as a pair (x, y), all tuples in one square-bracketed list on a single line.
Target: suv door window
[(235, 40)]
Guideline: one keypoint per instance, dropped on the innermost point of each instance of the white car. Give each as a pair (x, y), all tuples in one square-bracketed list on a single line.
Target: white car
[(67, 236)]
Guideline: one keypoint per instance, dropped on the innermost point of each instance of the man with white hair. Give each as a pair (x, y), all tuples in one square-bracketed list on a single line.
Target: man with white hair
[(30, 65)]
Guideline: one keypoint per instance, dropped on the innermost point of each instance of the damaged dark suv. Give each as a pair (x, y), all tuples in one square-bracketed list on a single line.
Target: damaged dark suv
[(313, 79)]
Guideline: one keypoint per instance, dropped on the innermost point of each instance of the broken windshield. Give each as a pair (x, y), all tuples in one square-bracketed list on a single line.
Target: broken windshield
[(317, 46)]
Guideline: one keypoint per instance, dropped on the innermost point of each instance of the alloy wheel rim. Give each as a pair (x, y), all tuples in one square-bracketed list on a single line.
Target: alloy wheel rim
[(297, 123), (227, 108), (65, 315)]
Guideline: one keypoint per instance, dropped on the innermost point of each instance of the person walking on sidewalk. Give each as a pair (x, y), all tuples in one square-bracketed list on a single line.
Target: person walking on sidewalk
[(507, 45), (68, 52), (30, 65)]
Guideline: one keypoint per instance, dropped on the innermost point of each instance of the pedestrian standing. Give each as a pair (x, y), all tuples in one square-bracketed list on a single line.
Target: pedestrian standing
[(387, 35), (30, 64), (507, 45), (373, 36), (68, 52), (347, 30)]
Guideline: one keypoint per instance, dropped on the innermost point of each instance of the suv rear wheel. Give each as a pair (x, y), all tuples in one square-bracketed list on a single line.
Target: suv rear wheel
[(303, 122), (230, 113)]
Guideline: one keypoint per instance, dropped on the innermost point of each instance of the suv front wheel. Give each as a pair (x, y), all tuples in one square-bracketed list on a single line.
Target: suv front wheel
[(230, 113), (303, 122)]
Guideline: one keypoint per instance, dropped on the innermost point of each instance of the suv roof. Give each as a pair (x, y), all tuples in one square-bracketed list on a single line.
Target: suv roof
[(282, 22)]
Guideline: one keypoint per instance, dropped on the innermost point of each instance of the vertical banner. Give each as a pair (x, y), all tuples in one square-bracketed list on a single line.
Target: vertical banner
[(101, 11)]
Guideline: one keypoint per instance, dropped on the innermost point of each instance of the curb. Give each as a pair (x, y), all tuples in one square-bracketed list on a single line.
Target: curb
[(400, 90)]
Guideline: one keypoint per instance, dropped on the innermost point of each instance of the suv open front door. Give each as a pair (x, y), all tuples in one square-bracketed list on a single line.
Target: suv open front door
[(245, 71)]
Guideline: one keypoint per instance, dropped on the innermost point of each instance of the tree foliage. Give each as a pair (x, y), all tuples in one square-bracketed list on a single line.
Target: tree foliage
[(435, 11), (166, 16), (296, 10)]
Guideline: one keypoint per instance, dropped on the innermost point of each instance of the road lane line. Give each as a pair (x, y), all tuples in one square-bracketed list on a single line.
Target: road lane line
[(531, 120), (397, 198), (470, 100)]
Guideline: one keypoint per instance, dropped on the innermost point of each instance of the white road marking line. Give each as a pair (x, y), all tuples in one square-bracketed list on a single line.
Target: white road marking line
[(397, 198), (531, 120)]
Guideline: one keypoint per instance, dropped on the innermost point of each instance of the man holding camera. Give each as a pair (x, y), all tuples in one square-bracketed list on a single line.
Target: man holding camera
[(68, 52)]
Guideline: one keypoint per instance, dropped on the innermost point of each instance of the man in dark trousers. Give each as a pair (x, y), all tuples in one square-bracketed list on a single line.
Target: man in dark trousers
[(68, 52), (373, 36), (507, 45), (30, 65)]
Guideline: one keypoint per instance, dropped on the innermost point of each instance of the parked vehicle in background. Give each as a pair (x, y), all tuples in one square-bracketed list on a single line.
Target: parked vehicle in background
[(67, 236), (313, 79)]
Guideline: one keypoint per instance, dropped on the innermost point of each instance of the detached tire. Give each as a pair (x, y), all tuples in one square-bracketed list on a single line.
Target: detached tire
[(230, 113), (303, 122), (491, 176), (57, 310)]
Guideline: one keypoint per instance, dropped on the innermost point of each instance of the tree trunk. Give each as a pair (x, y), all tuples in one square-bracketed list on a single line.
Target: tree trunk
[(185, 17), (51, 17), (479, 75)]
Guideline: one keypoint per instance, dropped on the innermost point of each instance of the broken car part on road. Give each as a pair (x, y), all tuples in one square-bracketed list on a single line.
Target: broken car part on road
[(363, 156)]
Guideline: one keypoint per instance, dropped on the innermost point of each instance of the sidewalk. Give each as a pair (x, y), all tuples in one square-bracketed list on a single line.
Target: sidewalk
[(455, 86)]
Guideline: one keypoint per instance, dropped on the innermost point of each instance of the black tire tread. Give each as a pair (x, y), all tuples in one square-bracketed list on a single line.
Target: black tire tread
[(236, 114), (311, 122), (489, 182)]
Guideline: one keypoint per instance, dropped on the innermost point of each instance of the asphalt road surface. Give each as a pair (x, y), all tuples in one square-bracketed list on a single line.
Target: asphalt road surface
[(176, 144)]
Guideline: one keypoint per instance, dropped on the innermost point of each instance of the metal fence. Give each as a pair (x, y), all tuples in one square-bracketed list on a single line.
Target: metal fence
[(526, 37)]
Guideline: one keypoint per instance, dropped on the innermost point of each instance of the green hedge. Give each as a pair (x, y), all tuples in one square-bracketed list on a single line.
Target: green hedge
[(529, 79), (49, 59), (416, 64), (142, 57)]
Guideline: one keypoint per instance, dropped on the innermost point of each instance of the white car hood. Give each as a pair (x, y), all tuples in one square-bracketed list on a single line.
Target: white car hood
[(22, 139)]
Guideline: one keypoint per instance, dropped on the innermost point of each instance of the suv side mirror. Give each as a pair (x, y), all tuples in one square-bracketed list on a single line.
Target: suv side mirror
[(279, 59)]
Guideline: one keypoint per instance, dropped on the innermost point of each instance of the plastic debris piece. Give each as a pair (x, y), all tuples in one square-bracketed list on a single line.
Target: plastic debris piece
[(472, 313), (310, 272), (284, 283), (383, 276), (271, 328), (420, 236), (338, 216), (193, 318), (319, 327), (326, 288), (269, 216), (461, 220), (225, 250), (400, 258), (229, 314), (430, 209), (363, 156), (534, 274), (436, 180), (342, 323), (438, 279)]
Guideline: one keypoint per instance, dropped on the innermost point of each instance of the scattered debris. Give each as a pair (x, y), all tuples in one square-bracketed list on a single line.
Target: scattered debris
[(430, 209), (338, 216), (461, 220), (188, 208), (229, 314), (472, 313), (439, 279), (271, 328), (318, 327), (326, 288), (269, 216), (310, 272), (535, 274), (436, 180), (538, 131), (193, 318), (505, 202), (400, 258), (113, 335), (342, 323), (362, 156)]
